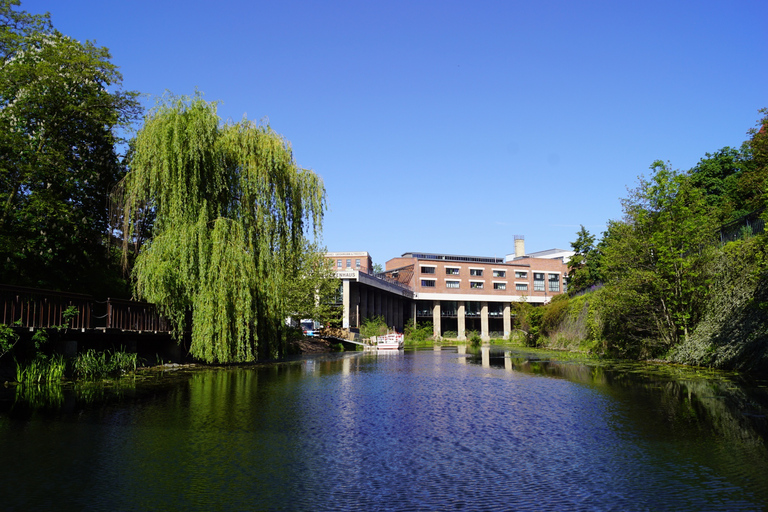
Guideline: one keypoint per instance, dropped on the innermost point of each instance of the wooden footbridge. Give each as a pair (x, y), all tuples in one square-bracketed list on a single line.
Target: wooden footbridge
[(32, 308)]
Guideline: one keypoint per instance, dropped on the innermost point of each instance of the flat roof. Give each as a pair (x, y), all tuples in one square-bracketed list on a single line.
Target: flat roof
[(452, 257)]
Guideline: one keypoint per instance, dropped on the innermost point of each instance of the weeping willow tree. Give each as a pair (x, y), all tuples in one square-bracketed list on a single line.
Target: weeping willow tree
[(233, 213)]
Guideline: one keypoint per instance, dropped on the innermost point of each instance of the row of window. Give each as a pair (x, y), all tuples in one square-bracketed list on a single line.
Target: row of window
[(539, 284), (349, 263), (474, 272)]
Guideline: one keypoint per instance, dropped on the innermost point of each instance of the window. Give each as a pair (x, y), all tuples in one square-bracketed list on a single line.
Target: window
[(451, 271), (521, 287), (499, 286), (476, 272), (538, 281), (338, 263), (427, 270), (428, 283), (499, 273), (357, 263), (554, 282), (521, 275), (349, 263), (452, 284), (476, 284)]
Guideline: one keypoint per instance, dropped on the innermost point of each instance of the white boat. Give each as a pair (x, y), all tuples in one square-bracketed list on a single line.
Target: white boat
[(393, 341)]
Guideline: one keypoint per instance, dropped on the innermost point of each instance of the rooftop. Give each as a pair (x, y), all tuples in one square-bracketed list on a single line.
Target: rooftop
[(452, 257)]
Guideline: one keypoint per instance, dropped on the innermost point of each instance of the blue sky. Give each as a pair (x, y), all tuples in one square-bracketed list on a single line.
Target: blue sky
[(442, 126)]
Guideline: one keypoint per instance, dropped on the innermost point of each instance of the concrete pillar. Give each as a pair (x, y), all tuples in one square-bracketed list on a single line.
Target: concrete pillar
[(413, 313), (507, 320), (363, 304), (377, 298), (345, 301), (354, 304), (484, 335), (461, 316), (436, 318)]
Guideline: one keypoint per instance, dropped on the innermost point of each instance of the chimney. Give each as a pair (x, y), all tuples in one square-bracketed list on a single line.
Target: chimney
[(519, 246)]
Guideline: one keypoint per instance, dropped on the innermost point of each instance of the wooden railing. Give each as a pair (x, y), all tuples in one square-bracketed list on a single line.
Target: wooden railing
[(128, 315), (31, 307), (44, 309)]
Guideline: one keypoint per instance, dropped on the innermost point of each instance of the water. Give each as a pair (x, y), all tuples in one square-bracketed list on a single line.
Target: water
[(420, 430)]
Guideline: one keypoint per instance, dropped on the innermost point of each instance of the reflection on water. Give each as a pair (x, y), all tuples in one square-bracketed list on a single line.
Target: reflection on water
[(454, 427)]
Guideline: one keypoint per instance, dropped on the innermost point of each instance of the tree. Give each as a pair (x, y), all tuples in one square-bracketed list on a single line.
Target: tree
[(311, 290), (60, 110), (655, 259), (231, 211), (717, 175), (583, 267), (17, 26)]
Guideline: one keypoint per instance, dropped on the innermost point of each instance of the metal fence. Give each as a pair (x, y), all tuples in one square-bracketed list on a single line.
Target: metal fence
[(747, 225)]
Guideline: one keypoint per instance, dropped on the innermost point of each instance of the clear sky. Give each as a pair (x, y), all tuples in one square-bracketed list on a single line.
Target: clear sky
[(445, 126)]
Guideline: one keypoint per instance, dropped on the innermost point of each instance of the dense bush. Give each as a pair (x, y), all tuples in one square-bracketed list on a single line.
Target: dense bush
[(419, 333), (373, 326)]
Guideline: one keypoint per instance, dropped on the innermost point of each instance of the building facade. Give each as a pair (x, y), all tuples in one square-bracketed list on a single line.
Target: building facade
[(456, 293), (474, 293)]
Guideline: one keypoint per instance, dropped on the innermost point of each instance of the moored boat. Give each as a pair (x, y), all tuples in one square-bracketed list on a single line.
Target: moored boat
[(392, 341)]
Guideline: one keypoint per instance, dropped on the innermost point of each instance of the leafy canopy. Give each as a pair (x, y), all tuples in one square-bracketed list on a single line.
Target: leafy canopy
[(61, 108), (232, 214)]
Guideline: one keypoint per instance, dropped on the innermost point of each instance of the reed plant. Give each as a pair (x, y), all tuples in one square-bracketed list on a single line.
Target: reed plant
[(93, 364), (41, 369)]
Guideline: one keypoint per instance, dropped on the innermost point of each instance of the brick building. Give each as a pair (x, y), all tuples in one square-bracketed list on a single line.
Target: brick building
[(474, 293), (456, 293)]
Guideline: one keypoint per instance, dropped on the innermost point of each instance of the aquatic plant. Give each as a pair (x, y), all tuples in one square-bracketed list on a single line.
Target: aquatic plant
[(94, 364), (41, 369)]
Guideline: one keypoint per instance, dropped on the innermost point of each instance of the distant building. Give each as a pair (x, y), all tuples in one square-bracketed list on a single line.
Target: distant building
[(474, 293), (351, 261), (457, 293)]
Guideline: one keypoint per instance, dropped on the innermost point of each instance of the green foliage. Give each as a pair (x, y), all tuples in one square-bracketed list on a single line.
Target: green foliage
[(61, 108), (654, 262), (311, 290), (553, 314), (93, 364), (8, 339), (584, 266), (419, 333), (373, 326), (717, 176), (474, 339), (733, 333), (230, 209), (41, 369), (528, 320)]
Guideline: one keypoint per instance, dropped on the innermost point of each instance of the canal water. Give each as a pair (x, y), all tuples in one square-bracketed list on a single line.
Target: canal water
[(440, 429)]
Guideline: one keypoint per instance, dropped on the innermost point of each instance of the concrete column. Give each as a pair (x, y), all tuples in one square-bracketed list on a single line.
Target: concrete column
[(345, 301), (507, 320), (484, 335), (413, 313), (377, 298), (436, 318), (363, 304), (461, 316), (354, 304)]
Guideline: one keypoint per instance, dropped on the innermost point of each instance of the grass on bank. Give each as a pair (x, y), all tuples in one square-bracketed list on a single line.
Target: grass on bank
[(88, 365)]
